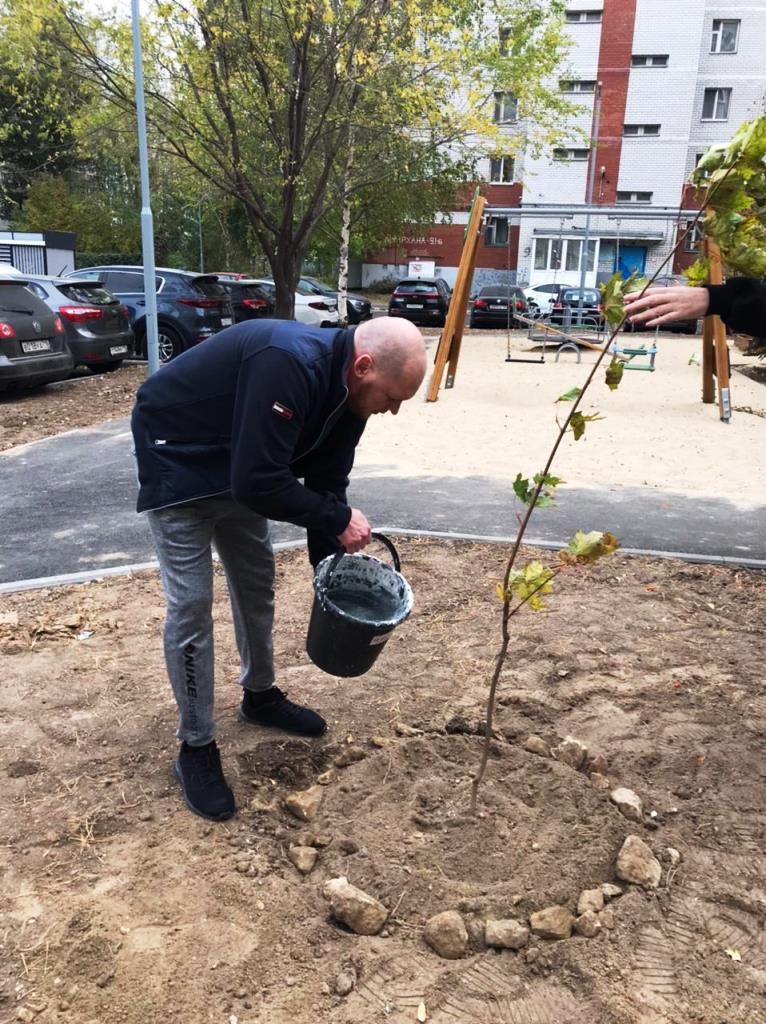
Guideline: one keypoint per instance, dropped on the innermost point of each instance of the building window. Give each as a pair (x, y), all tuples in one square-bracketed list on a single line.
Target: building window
[(640, 129), (649, 60), (634, 197), (715, 105), (725, 35), (583, 17), (506, 107), (501, 170), (497, 231), (503, 36), (577, 85), (574, 254), (559, 253), (570, 154), (693, 240)]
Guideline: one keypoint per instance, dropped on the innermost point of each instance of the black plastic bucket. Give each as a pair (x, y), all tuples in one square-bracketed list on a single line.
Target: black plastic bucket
[(358, 603)]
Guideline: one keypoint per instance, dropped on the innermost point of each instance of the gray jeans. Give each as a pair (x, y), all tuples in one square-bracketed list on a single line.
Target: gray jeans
[(183, 536)]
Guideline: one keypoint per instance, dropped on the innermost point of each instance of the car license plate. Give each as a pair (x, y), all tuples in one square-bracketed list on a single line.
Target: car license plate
[(118, 350), (226, 321), (35, 346), (414, 305), (498, 305)]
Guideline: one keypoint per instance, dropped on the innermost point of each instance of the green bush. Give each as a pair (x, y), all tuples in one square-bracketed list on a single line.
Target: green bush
[(100, 259)]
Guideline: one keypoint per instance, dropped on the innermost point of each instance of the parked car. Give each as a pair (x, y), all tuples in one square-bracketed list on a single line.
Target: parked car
[(496, 304), (310, 308), (190, 307), (567, 308), (97, 325), (357, 307), (230, 275), (424, 300), (541, 297), (679, 326), (33, 349), (249, 299)]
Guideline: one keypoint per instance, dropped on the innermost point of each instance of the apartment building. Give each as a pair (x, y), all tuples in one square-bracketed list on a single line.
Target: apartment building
[(658, 81)]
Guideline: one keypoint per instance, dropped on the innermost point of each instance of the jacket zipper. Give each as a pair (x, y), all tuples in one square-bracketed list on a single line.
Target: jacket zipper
[(322, 431)]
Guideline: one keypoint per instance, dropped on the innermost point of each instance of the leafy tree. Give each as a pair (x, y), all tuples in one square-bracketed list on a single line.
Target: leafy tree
[(294, 109)]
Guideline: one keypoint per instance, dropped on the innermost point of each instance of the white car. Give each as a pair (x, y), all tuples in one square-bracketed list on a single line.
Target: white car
[(542, 297), (310, 308)]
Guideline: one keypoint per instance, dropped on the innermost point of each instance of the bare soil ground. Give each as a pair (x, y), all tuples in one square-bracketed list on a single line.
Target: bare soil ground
[(118, 905), (83, 401)]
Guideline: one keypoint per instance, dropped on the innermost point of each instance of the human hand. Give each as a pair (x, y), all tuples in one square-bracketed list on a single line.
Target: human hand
[(357, 534), (662, 305)]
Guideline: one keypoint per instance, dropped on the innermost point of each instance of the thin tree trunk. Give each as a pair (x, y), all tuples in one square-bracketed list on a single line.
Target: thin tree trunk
[(345, 232)]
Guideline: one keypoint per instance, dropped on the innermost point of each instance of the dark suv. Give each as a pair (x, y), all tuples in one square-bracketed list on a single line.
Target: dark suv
[(190, 307), (33, 350), (424, 300), (249, 300), (97, 327), (567, 308)]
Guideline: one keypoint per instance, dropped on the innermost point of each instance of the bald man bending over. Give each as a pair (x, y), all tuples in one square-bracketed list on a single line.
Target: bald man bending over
[(224, 435)]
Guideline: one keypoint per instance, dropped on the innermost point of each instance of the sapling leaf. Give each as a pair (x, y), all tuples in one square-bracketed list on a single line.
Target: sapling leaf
[(589, 547), (612, 299), (578, 421), (698, 272), (569, 396), (521, 488), (614, 373), (530, 583)]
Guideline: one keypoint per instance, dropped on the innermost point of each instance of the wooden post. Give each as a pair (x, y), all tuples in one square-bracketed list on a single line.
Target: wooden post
[(715, 351), (452, 334)]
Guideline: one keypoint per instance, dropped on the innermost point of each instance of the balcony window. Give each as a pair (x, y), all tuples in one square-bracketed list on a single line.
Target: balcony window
[(501, 170), (715, 105), (725, 35)]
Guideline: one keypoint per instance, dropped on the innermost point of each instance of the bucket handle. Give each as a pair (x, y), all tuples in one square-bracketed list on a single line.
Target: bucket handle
[(386, 541)]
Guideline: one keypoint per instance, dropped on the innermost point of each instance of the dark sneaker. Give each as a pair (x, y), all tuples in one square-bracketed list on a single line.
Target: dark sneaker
[(205, 790), (271, 707)]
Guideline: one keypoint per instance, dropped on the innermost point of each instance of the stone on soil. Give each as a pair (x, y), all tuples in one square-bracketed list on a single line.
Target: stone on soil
[(552, 923), (572, 752), (588, 924), (628, 803), (590, 899), (506, 934), (361, 913), (344, 983), (637, 864), (599, 782), (606, 917), (610, 891), (305, 803), (446, 934), (537, 745), (303, 857)]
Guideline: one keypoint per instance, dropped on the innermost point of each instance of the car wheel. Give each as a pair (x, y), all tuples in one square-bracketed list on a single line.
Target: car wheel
[(169, 343)]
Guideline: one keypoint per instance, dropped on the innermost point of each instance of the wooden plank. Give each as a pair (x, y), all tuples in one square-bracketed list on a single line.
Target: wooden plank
[(720, 348), (452, 333), (708, 361)]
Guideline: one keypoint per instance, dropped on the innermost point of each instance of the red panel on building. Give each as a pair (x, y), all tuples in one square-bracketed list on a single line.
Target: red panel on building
[(613, 73)]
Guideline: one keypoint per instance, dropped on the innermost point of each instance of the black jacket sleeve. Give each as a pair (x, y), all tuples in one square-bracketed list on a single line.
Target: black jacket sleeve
[(741, 304), (327, 472), (264, 439)]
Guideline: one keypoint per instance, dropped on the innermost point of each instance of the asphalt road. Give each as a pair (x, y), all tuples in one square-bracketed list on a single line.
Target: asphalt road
[(67, 506)]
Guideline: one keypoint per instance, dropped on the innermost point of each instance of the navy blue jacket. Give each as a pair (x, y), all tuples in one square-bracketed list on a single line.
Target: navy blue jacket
[(246, 415), (741, 304)]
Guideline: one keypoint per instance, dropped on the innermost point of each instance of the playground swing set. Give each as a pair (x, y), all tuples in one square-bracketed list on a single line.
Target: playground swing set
[(715, 352)]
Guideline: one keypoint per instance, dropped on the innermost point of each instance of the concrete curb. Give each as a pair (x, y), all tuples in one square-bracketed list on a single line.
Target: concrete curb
[(88, 575)]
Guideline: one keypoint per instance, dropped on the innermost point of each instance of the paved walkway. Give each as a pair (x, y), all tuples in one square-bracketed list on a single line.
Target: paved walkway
[(67, 506)]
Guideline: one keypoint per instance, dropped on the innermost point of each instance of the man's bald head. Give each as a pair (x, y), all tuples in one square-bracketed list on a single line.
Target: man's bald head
[(388, 366)]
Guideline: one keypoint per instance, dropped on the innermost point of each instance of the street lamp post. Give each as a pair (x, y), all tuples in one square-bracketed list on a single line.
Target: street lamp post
[(147, 223), (589, 195)]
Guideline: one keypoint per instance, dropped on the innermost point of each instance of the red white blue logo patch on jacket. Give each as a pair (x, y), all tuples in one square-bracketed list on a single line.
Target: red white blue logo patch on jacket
[(282, 410)]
